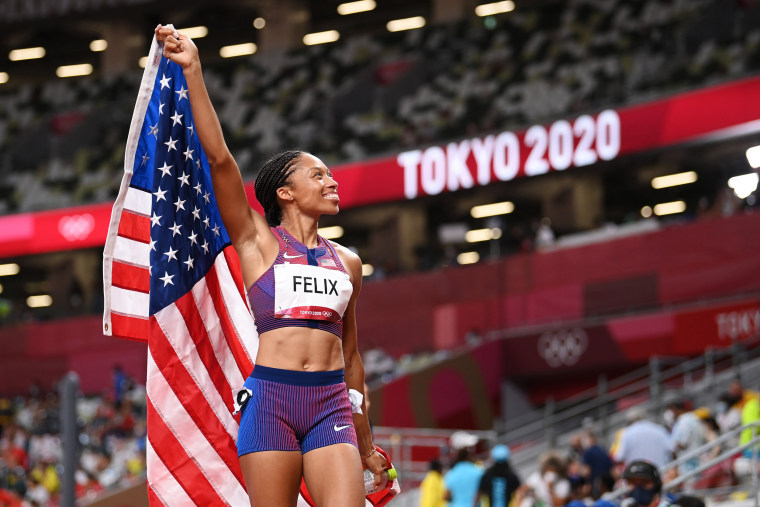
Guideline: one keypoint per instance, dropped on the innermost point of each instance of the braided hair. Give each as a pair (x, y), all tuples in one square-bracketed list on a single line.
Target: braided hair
[(273, 175)]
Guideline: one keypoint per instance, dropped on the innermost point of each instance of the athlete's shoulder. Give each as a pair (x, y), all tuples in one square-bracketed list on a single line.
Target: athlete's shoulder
[(347, 256)]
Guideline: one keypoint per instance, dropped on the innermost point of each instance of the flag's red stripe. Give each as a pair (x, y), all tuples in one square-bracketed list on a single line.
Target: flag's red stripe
[(153, 499), (175, 458), (238, 352), (233, 262), (130, 277), (186, 390), (133, 226), (186, 306), (129, 327)]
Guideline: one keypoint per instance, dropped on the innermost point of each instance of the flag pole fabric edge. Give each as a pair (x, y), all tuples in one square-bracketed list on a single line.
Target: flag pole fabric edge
[(135, 128)]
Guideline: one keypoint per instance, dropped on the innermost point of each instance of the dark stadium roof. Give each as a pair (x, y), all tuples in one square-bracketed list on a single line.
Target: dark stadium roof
[(65, 30)]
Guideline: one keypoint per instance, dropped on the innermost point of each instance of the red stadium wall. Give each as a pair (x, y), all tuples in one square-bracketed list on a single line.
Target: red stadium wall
[(556, 360), (681, 290), (42, 353), (701, 261)]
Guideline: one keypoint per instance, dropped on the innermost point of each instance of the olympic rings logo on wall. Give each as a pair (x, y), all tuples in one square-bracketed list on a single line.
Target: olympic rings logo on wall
[(76, 227), (562, 348)]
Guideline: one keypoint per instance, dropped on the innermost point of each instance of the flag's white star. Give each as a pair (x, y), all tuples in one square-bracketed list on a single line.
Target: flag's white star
[(165, 81), (184, 179), (145, 159), (196, 213), (172, 254), (166, 169), (182, 92), (175, 230), (189, 263), (205, 246), (153, 245), (155, 220), (154, 131), (171, 144), (198, 188), (206, 222), (188, 153), (198, 163), (177, 118), (216, 230), (160, 109), (206, 197), (191, 128), (193, 239), (159, 194), (167, 279), (180, 204)]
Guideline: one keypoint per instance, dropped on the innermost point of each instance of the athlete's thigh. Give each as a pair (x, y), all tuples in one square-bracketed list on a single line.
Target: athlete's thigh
[(333, 475), (272, 477)]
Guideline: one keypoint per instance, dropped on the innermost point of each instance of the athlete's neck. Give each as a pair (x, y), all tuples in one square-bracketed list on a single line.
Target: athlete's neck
[(303, 230)]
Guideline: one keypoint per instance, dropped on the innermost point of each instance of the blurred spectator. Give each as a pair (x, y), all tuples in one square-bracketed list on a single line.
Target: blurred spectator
[(463, 479), (687, 434), (738, 396), (643, 440), (547, 487), (544, 234), (596, 460), (499, 482), (580, 493), (750, 414), (728, 412), (113, 447), (432, 488), (718, 475), (119, 384), (688, 501), (644, 485), (712, 433), (575, 452), (462, 440)]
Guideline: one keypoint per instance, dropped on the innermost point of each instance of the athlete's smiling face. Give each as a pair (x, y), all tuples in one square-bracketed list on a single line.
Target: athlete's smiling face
[(311, 186)]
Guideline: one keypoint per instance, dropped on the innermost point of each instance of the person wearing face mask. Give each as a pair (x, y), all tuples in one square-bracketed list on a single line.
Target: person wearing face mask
[(548, 487), (644, 483)]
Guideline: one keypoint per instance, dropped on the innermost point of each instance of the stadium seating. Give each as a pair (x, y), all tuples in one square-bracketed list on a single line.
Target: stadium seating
[(63, 141)]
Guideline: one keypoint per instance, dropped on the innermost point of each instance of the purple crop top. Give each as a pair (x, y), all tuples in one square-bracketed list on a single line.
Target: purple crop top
[(296, 255)]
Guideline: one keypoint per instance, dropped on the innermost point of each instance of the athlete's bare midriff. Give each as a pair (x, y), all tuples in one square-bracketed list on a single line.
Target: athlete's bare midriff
[(300, 349)]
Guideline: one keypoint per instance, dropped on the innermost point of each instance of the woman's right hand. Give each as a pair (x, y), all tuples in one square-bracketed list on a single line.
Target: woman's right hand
[(178, 48)]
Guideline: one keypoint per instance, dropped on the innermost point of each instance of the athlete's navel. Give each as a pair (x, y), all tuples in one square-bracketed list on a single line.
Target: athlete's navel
[(306, 365)]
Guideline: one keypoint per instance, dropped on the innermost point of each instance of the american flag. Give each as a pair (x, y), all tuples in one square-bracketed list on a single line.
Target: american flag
[(172, 279)]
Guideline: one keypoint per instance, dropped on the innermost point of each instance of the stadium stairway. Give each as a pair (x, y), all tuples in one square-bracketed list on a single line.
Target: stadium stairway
[(551, 426)]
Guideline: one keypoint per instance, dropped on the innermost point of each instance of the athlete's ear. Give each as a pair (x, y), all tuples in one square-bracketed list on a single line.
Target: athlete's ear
[(285, 193)]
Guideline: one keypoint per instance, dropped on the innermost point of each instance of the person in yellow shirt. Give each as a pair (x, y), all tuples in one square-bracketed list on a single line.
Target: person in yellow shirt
[(750, 414), (432, 488)]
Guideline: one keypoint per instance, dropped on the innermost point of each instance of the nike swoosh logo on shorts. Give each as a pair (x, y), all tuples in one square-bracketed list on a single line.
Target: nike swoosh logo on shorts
[(338, 428), (291, 256)]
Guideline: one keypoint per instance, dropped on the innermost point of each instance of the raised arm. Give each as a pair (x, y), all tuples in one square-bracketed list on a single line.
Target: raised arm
[(242, 223)]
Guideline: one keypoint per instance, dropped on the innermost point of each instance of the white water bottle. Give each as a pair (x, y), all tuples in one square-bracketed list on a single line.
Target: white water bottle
[(369, 480)]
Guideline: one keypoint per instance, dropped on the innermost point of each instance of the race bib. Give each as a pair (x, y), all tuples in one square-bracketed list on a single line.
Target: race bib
[(310, 292)]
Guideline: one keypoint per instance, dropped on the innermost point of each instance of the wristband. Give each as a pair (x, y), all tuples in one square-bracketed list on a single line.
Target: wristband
[(374, 451)]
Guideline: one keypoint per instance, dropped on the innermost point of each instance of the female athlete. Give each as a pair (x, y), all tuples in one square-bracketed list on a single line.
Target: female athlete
[(297, 420)]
